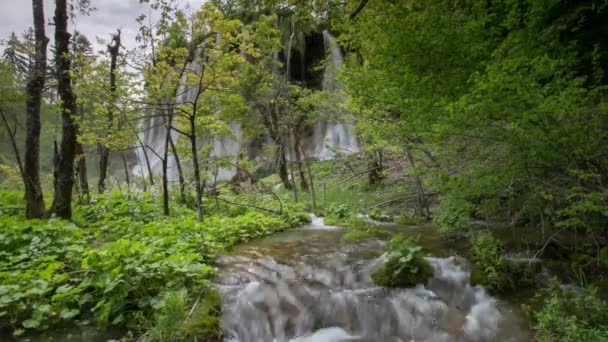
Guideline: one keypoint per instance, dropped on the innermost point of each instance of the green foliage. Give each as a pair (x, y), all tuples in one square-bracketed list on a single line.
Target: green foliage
[(569, 315), (360, 230), (126, 265), (492, 270), (404, 264), (380, 215), (454, 215), (183, 318), (505, 101), (490, 266)]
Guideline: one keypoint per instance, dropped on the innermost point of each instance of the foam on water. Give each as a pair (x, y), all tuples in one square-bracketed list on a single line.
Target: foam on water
[(317, 289)]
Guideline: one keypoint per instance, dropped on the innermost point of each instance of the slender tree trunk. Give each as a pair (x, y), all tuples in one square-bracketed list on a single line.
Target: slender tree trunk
[(422, 201), (126, 166), (375, 168), (147, 158), (165, 162), (197, 171), (11, 134), (64, 158), (313, 194), (34, 202), (298, 154), (283, 172), (180, 171), (81, 172), (104, 151)]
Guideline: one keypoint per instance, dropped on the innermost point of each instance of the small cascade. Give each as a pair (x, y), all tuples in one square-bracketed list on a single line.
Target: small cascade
[(334, 136), (313, 288)]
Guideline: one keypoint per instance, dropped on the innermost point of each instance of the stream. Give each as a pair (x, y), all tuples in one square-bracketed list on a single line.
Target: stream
[(306, 285)]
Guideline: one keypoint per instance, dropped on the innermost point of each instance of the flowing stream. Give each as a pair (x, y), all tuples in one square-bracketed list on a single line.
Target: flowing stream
[(307, 285)]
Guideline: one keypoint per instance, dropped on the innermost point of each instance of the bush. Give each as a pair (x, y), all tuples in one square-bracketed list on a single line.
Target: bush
[(492, 270), (118, 267), (454, 216), (379, 215), (404, 265), (489, 264), (573, 316)]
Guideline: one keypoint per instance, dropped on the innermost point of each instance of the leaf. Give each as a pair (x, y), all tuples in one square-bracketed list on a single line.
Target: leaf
[(31, 323), (68, 313)]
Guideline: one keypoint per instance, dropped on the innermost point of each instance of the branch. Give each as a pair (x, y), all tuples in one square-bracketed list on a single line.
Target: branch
[(250, 206), (14, 144), (358, 9)]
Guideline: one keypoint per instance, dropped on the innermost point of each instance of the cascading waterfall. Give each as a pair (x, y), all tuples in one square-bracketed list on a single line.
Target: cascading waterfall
[(329, 137), (337, 135), (307, 286)]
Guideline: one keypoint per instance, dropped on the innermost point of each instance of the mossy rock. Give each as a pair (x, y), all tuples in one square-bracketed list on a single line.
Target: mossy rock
[(394, 274), (362, 234), (478, 277)]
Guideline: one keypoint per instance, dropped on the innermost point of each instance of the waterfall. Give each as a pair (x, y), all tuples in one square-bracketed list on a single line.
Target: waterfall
[(329, 137), (336, 135)]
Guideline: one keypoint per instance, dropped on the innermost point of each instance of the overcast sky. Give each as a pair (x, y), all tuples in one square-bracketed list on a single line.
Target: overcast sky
[(16, 16)]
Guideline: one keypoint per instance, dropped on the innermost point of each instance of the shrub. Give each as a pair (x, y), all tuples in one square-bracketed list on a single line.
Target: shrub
[(569, 315), (379, 215), (120, 265), (492, 270), (489, 264), (404, 264), (454, 215)]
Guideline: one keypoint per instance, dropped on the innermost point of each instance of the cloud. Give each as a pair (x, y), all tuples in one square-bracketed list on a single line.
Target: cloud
[(16, 16)]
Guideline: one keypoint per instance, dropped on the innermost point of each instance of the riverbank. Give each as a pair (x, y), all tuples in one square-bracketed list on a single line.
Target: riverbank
[(121, 269)]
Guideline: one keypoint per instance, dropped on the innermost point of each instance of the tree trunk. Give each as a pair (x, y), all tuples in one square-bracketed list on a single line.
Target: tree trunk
[(375, 168), (81, 172), (180, 171), (127, 179), (297, 146), (64, 158), (104, 151), (197, 171), (165, 162), (11, 134), (34, 202), (283, 172), (423, 205)]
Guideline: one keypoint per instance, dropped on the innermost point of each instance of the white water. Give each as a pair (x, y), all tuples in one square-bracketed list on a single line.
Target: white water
[(308, 286), (328, 138)]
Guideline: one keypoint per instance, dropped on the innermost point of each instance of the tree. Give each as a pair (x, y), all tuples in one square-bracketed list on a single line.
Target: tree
[(66, 153), (104, 151), (33, 191)]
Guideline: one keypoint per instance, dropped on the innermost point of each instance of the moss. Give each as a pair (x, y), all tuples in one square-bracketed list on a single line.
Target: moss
[(356, 234), (394, 274)]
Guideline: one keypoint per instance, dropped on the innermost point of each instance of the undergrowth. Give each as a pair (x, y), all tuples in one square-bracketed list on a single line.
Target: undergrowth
[(121, 263)]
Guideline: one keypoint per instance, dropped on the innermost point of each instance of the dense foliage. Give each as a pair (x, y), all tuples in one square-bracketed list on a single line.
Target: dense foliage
[(404, 264), (121, 264), (569, 315)]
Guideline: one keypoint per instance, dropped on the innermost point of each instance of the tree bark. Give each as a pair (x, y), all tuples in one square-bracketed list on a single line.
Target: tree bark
[(104, 151), (81, 172), (126, 166), (64, 158), (34, 201), (376, 167), (196, 169), (423, 205), (11, 134), (297, 146), (165, 162), (180, 171)]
